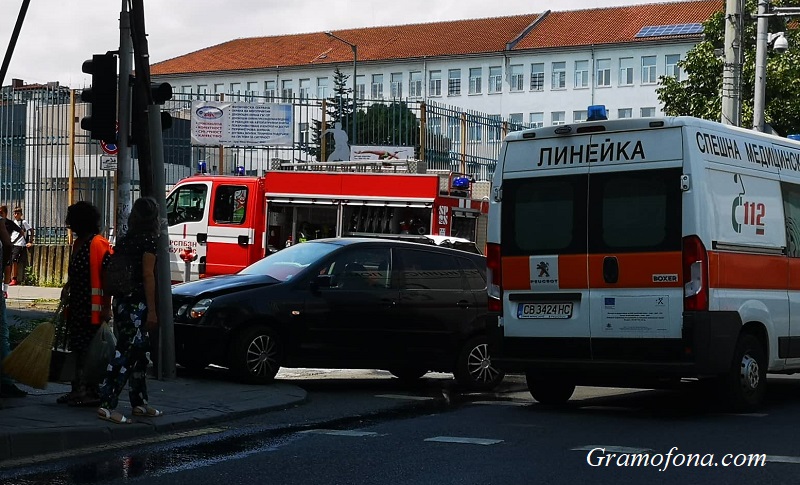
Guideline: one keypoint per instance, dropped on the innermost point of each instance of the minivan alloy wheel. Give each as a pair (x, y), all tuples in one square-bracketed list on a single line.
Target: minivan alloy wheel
[(255, 354), (262, 356), (474, 369)]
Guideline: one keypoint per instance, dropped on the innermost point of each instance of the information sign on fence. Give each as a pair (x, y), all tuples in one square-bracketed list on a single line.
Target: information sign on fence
[(235, 123)]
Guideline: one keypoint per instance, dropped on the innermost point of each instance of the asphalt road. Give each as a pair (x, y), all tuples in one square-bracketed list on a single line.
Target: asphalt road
[(348, 432)]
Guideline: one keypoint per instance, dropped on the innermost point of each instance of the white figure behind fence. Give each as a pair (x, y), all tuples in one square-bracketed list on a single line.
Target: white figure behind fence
[(341, 150)]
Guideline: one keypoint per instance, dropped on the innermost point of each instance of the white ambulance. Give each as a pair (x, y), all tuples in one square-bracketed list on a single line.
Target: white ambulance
[(637, 249)]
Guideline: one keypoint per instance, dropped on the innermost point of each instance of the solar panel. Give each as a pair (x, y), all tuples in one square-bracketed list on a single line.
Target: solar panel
[(674, 29)]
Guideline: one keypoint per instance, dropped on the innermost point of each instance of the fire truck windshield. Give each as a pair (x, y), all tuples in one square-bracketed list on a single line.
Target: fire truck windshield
[(286, 263)]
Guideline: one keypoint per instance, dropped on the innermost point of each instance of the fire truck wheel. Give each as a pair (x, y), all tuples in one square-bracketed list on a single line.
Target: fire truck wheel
[(549, 390), (474, 369), (255, 354)]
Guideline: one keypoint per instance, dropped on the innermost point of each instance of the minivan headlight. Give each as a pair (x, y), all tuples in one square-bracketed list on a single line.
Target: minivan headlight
[(199, 309)]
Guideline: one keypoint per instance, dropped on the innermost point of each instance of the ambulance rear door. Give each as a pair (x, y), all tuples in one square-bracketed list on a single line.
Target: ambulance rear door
[(634, 216)]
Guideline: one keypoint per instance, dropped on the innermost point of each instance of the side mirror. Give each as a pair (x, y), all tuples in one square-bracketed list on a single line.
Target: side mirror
[(322, 281)]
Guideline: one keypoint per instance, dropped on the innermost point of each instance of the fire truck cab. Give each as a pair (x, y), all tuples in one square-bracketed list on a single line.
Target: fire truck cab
[(230, 222)]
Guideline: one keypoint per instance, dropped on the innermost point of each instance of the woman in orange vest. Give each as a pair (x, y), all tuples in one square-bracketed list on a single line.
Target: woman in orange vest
[(87, 307)]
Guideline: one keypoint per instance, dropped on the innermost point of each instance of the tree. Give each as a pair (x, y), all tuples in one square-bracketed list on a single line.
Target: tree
[(699, 93), (339, 108), (388, 125)]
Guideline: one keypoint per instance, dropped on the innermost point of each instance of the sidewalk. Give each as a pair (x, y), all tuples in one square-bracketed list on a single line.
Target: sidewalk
[(36, 425)]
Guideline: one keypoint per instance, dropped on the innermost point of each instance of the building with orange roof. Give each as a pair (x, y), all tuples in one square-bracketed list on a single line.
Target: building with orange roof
[(537, 69)]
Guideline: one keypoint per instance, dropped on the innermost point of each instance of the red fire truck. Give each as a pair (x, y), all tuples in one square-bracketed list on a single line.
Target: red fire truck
[(230, 222)]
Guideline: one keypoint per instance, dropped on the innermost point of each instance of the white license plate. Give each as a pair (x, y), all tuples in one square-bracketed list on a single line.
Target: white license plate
[(544, 310)]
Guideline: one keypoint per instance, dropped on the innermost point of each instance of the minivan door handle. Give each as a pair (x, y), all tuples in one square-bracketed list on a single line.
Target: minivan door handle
[(463, 304), (610, 269)]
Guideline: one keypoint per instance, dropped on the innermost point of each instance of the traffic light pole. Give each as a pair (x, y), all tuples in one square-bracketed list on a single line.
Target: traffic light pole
[(149, 141), (124, 167)]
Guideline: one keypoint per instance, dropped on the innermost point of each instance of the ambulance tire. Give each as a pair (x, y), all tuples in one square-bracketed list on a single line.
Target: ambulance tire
[(549, 391), (255, 354), (746, 383), (474, 369)]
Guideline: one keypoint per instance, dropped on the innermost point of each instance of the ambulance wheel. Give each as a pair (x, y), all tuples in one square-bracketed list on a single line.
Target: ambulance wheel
[(474, 369), (255, 354), (746, 383), (548, 390)]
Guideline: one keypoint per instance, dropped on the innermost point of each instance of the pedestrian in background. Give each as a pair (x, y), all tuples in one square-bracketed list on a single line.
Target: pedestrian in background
[(87, 307), (7, 386), (21, 240), (134, 317)]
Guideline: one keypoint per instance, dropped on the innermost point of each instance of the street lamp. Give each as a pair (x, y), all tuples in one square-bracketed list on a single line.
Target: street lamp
[(764, 41), (355, 72)]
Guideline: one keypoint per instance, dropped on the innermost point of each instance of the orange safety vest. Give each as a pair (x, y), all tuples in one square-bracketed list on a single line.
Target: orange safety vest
[(97, 252)]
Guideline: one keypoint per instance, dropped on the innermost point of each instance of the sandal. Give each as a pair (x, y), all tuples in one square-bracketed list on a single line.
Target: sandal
[(115, 417), (147, 411)]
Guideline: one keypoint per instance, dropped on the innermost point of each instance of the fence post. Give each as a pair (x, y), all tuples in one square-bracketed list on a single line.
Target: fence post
[(422, 130), (323, 146), (463, 167), (221, 161)]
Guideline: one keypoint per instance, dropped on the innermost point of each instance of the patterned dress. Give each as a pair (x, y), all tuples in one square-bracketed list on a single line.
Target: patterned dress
[(133, 340), (80, 330)]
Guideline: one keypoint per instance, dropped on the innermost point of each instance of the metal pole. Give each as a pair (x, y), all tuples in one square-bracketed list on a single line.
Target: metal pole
[(355, 97), (23, 9), (124, 167), (731, 74), (761, 66)]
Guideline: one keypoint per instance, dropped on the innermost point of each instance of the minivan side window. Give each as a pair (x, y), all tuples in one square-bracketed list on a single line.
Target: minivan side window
[(186, 204), (230, 203), (635, 211), (428, 270), (476, 279), (360, 269)]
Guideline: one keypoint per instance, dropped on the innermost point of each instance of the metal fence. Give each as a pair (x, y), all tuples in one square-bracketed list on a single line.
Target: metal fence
[(41, 142)]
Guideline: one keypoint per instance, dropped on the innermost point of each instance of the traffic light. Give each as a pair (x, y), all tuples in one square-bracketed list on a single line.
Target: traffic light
[(102, 121), (160, 93)]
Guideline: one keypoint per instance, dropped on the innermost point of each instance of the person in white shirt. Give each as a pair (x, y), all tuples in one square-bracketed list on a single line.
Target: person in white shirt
[(21, 240)]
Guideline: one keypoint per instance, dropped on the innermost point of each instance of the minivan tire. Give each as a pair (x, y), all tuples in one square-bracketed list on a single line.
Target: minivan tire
[(549, 391), (746, 382), (255, 354), (474, 369)]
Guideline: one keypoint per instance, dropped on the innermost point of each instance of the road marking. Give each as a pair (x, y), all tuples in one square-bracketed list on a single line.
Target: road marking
[(612, 449), (341, 432), (405, 396), (60, 455), (468, 441), (783, 459), (502, 403)]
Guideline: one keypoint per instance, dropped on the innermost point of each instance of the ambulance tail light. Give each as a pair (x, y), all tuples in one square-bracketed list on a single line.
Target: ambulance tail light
[(695, 275), (494, 276)]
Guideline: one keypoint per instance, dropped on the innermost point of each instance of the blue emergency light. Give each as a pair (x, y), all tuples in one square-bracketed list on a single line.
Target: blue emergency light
[(460, 182), (240, 170), (202, 167), (597, 112), (795, 137)]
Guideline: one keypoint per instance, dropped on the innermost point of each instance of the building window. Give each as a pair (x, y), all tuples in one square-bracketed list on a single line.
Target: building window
[(515, 121), (648, 69), (517, 78), (557, 118), (303, 129), (495, 79), (415, 84), (396, 87), (581, 74), (202, 90), (305, 88), (322, 87), (435, 125), (474, 131), (536, 120), (495, 128), (361, 87), (454, 129), (603, 72), (269, 90), (537, 77), (626, 71), (186, 89), (287, 90), (648, 112), (219, 88), (579, 116), (625, 113), (559, 76), (435, 83), (236, 90), (475, 80), (252, 90), (454, 82), (672, 68), (376, 90)]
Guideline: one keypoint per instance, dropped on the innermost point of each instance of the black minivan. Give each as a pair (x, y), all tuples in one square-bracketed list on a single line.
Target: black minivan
[(405, 307)]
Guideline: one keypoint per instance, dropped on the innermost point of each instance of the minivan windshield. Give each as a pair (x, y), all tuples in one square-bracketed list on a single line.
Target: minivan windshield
[(286, 263)]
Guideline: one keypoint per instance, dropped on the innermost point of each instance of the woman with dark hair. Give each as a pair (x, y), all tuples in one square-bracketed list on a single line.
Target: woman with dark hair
[(134, 317), (87, 307)]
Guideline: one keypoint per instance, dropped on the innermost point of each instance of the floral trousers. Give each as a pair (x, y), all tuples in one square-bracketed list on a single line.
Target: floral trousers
[(132, 356)]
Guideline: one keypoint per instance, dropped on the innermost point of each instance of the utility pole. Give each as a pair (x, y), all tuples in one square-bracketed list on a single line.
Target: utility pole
[(732, 70), (124, 166), (149, 140)]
